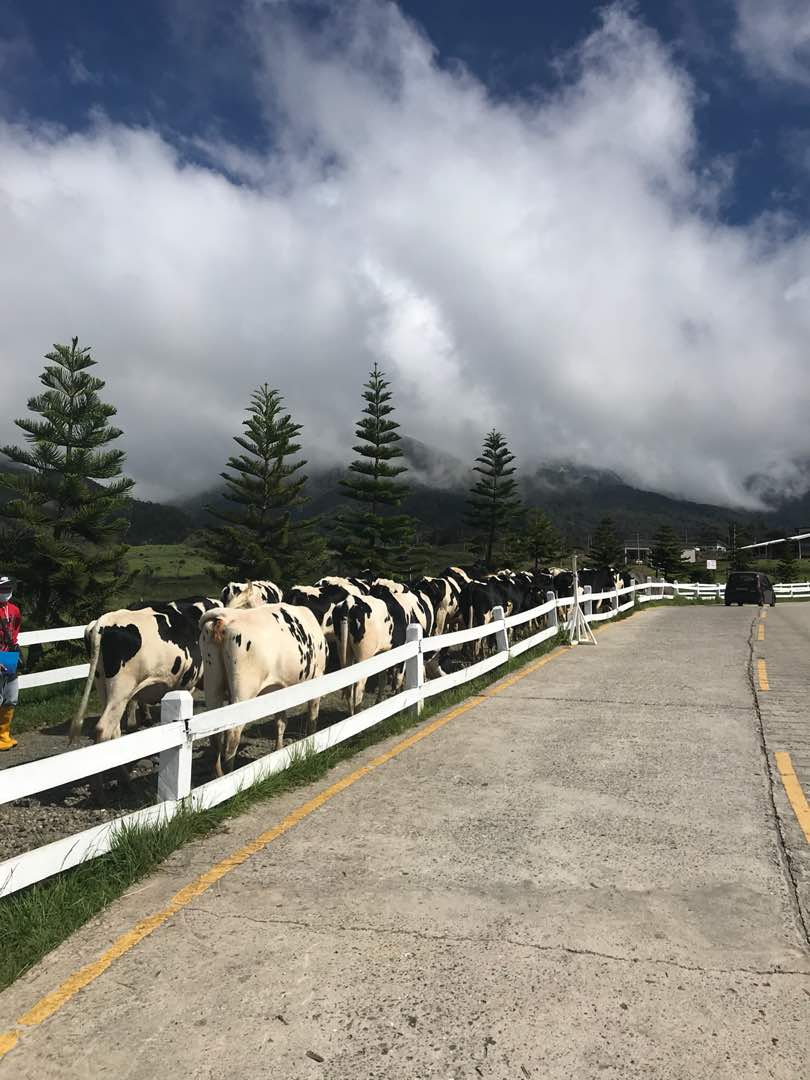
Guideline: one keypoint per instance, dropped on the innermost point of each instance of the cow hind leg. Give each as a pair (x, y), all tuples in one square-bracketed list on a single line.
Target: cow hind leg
[(281, 726), (227, 750), (313, 708), (359, 692)]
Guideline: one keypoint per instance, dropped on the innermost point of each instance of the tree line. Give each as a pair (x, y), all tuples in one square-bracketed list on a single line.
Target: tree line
[(64, 526)]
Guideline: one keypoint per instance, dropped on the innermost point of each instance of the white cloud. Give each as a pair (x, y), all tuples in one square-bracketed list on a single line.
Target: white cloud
[(78, 72), (554, 267), (774, 38)]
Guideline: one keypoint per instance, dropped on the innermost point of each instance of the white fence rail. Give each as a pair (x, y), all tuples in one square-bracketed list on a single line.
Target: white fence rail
[(53, 675), (174, 738)]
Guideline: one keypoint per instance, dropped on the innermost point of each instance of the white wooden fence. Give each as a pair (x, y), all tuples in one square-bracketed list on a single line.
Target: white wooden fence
[(173, 740), (54, 675)]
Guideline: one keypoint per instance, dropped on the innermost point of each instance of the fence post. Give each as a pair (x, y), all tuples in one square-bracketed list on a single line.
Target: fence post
[(174, 767), (634, 594), (661, 582), (554, 615), (587, 603), (501, 635), (415, 665), (614, 604)]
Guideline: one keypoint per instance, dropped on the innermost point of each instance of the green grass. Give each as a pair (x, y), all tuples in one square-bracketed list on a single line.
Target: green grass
[(168, 572), (39, 918)]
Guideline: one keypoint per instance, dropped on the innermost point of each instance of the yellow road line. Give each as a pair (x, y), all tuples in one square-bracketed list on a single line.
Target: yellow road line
[(793, 790), (763, 614), (762, 675), (760, 632), (51, 1003)]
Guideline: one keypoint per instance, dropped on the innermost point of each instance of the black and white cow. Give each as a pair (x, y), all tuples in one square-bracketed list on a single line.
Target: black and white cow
[(321, 601), (443, 596), (137, 655), (366, 626), (251, 651), (264, 592), (354, 586)]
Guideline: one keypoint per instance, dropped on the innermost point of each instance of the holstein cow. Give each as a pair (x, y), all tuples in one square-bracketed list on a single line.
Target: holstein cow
[(366, 626), (321, 601), (512, 592), (251, 651), (262, 592), (355, 586), (444, 598), (137, 655)]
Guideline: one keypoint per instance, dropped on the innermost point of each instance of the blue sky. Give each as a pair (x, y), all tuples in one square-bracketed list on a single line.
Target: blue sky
[(186, 68), (529, 214)]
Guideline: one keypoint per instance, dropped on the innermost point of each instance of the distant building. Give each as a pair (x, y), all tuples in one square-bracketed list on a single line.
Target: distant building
[(636, 552)]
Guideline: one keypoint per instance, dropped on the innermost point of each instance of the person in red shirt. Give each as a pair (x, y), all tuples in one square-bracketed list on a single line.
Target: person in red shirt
[(10, 623)]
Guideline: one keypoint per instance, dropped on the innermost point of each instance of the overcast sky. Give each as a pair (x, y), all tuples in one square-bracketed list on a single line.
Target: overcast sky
[(557, 235)]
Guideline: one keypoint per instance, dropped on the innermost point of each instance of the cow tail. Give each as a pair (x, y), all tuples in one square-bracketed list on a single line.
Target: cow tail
[(217, 676), (342, 636), (94, 632)]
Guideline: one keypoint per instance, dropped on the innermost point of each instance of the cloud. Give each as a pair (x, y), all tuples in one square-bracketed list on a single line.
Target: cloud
[(556, 267), (78, 72), (774, 38)]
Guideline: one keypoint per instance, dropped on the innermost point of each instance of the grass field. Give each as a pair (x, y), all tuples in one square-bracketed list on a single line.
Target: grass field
[(168, 572)]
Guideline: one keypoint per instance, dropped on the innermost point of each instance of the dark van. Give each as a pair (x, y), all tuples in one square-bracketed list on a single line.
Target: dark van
[(749, 587)]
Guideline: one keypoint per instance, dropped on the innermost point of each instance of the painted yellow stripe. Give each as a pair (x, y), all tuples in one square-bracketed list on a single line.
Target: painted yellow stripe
[(762, 675), (54, 1001), (793, 790), (763, 614), (760, 632)]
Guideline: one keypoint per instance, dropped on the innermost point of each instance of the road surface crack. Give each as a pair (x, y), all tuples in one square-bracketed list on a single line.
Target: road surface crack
[(781, 843), (460, 939)]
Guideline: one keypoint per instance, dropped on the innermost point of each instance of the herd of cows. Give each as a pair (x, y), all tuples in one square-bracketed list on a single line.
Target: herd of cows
[(256, 638)]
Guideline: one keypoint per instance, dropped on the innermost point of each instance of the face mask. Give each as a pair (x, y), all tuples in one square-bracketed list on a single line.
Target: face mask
[(5, 597)]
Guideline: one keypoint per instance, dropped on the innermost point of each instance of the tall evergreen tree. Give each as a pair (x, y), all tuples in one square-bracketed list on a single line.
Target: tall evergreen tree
[(494, 503), (738, 556), (606, 549), (787, 568), (666, 552), (262, 536), (369, 534), (63, 529), (539, 542)]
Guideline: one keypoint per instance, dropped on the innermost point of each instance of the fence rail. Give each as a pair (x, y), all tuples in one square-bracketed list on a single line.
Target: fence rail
[(179, 729)]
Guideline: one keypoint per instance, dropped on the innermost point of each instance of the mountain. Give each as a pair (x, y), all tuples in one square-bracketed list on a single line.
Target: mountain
[(575, 497)]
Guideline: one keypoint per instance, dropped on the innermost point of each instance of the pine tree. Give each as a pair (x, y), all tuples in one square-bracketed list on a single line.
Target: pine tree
[(738, 556), (606, 549), (666, 552), (63, 529), (262, 536), (788, 567), (369, 535), (539, 542), (494, 504)]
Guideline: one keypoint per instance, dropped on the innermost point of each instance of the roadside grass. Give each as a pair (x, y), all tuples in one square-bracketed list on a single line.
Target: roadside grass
[(39, 918)]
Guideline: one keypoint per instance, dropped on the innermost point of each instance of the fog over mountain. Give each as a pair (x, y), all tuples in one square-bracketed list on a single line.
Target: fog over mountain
[(554, 264)]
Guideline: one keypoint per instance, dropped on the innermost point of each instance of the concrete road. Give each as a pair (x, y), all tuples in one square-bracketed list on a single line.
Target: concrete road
[(581, 876)]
